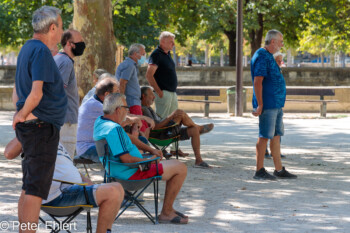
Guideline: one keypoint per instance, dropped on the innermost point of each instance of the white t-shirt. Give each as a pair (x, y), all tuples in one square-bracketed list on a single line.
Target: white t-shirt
[(65, 171)]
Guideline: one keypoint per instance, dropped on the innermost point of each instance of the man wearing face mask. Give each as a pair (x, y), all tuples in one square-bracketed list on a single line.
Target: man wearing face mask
[(127, 75), (73, 45)]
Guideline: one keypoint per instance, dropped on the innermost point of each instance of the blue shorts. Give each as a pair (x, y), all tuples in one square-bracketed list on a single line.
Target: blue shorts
[(271, 123), (74, 195), (91, 154)]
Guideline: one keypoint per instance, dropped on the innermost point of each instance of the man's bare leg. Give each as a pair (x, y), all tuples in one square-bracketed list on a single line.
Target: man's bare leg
[(196, 143), (276, 152), (20, 208), (29, 210), (109, 198), (183, 118), (260, 152), (174, 174)]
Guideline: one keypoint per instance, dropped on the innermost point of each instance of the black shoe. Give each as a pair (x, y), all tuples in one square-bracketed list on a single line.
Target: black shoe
[(268, 156), (284, 174), (283, 156), (262, 174)]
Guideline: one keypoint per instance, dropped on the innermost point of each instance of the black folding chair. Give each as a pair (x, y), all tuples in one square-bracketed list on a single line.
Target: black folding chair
[(133, 188), (66, 212)]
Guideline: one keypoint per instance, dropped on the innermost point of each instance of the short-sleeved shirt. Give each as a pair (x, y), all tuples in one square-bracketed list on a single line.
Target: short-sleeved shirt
[(119, 144), (66, 67), (88, 113), (165, 74), (35, 63), (274, 86), (128, 71), (148, 111), (64, 170)]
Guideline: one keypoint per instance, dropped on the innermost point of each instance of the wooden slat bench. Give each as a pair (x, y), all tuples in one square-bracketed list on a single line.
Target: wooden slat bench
[(309, 91), (199, 91)]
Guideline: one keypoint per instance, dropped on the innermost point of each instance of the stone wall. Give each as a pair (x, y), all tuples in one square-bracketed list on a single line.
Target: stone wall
[(226, 76)]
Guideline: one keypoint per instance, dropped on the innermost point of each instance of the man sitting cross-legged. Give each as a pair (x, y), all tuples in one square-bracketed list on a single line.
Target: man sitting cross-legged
[(179, 117), (108, 197), (123, 151)]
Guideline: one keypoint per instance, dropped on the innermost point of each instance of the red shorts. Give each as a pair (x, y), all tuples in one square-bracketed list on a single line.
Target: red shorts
[(136, 110), (139, 175)]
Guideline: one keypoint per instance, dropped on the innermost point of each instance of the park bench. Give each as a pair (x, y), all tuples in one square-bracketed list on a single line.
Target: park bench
[(310, 91), (199, 91)]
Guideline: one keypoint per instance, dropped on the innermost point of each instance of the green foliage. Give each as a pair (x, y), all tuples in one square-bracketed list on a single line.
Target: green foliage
[(141, 21), (16, 18)]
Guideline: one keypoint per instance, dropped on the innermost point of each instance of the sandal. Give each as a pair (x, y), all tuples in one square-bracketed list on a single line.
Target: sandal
[(181, 214), (202, 165), (180, 153), (207, 128), (175, 220)]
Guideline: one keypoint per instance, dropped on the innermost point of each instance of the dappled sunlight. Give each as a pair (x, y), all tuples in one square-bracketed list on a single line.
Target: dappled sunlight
[(226, 198)]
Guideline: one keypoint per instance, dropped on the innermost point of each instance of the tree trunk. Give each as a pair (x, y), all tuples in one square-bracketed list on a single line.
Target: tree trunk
[(93, 18), (255, 36), (231, 35)]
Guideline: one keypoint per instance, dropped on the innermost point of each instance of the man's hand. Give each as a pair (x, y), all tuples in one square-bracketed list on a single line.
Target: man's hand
[(258, 111), (138, 122), (156, 153), (160, 93), (150, 121), (17, 118)]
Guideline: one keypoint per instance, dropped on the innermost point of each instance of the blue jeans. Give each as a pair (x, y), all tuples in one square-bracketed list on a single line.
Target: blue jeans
[(74, 195), (271, 123)]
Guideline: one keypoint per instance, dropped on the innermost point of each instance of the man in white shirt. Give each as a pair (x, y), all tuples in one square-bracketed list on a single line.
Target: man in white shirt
[(108, 197)]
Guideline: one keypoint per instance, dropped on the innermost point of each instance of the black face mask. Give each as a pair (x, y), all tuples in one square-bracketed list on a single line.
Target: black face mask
[(79, 48)]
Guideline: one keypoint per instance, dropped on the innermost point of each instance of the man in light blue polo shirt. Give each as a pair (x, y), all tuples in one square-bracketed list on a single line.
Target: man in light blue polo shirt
[(268, 100), (127, 75)]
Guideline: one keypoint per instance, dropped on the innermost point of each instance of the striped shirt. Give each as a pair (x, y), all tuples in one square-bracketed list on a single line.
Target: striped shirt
[(119, 144)]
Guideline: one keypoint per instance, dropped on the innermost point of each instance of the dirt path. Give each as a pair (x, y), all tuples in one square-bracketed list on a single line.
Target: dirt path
[(226, 198)]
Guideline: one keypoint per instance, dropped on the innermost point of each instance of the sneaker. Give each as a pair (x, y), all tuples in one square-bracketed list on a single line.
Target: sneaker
[(284, 174), (283, 156), (267, 154), (262, 174)]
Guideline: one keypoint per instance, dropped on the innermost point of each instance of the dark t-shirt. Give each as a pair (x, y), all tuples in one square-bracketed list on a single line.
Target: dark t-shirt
[(35, 63), (165, 74)]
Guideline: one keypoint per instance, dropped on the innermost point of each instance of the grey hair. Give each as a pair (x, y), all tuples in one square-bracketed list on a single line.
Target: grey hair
[(135, 48), (44, 17), (272, 34), (278, 54), (166, 34), (112, 101), (99, 72), (106, 75)]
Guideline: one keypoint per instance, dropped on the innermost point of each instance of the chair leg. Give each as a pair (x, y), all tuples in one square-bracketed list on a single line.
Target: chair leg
[(88, 222), (155, 189), (87, 173)]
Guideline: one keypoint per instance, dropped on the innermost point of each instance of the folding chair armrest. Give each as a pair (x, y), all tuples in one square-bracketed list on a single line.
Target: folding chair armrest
[(67, 182), (136, 165)]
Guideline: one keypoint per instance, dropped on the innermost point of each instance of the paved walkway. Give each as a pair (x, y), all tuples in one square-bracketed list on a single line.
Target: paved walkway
[(226, 198)]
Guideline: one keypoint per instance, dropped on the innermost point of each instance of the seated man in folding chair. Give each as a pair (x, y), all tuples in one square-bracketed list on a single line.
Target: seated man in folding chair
[(192, 130), (108, 197), (91, 109), (123, 151)]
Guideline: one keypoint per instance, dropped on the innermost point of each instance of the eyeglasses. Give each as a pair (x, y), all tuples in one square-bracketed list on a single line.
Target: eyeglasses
[(126, 107)]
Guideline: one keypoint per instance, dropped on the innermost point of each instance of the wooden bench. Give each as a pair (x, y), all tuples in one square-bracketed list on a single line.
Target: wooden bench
[(199, 91), (309, 91)]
